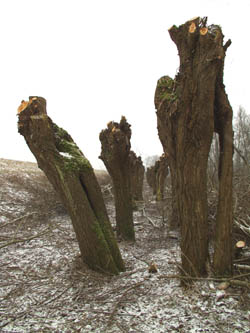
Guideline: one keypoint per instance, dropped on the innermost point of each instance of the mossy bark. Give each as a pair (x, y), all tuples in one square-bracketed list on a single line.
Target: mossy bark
[(188, 112), (73, 178), (115, 140)]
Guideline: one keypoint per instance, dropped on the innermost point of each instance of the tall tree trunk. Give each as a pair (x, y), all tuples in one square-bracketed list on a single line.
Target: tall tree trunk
[(174, 219), (151, 178), (161, 169), (73, 178), (115, 140), (185, 115), (223, 236), (137, 176)]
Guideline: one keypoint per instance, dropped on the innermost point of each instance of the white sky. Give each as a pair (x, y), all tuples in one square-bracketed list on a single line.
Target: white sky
[(95, 60)]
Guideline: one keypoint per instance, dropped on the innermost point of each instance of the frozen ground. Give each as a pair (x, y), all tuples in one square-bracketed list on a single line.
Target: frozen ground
[(44, 287)]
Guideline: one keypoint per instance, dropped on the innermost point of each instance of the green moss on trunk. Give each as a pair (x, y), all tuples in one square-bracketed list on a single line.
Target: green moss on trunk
[(73, 178)]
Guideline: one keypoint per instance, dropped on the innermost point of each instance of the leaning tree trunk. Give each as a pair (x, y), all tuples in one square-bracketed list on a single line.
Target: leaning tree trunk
[(186, 111), (115, 140), (73, 178), (136, 176)]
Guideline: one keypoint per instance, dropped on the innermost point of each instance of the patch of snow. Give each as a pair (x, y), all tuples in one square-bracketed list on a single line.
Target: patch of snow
[(67, 155)]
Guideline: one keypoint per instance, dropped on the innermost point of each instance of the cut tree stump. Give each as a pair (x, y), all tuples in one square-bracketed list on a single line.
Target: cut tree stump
[(161, 172), (189, 109), (151, 178), (115, 141), (74, 180), (238, 248), (137, 171), (156, 177)]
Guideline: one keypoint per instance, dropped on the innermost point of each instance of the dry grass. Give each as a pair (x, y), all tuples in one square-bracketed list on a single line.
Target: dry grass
[(26, 189)]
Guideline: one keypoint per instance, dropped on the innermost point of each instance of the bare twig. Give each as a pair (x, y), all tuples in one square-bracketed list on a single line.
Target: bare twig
[(240, 283), (148, 218), (241, 156), (136, 285), (244, 267), (15, 241), (146, 262), (239, 276), (242, 227), (242, 259), (22, 314), (219, 279), (56, 297), (18, 219)]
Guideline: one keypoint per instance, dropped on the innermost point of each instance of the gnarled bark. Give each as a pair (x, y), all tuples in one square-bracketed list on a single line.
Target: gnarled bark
[(73, 178), (189, 108), (115, 140)]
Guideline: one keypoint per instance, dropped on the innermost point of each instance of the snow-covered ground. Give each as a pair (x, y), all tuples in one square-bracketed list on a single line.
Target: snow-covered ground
[(45, 287)]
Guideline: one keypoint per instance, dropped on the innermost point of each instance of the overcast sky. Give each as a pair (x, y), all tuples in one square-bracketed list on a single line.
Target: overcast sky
[(95, 60)]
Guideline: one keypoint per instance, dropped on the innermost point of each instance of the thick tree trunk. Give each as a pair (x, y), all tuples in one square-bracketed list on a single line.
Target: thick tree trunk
[(151, 178), (174, 219), (73, 178), (137, 176), (161, 170), (115, 140), (185, 114)]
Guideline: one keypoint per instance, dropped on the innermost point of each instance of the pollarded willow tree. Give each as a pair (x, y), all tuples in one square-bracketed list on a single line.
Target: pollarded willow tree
[(115, 141), (156, 177), (189, 109), (137, 171), (73, 178), (151, 178), (161, 172)]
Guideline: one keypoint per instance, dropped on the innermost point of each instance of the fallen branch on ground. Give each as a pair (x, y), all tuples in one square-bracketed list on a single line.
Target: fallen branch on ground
[(240, 283), (244, 267), (18, 219), (245, 228), (15, 241), (148, 218), (138, 284), (217, 279)]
